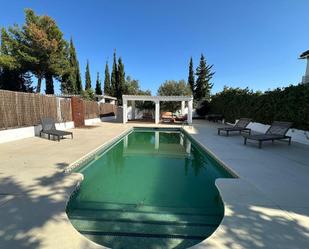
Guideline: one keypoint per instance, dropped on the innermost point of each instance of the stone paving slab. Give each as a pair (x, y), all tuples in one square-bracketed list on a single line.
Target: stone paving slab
[(267, 207)]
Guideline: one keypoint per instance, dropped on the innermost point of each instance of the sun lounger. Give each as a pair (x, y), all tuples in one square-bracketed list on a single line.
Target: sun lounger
[(167, 117), (240, 126), (49, 128), (182, 118), (277, 131)]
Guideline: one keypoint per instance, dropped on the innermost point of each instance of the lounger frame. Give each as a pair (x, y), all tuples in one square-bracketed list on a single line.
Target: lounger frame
[(49, 128), (277, 131), (240, 126)]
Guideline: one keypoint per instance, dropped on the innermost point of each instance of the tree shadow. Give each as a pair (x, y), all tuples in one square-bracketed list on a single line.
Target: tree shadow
[(26, 209), (253, 226)]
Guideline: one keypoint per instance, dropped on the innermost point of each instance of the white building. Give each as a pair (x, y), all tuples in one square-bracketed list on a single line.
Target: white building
[(305, 56)]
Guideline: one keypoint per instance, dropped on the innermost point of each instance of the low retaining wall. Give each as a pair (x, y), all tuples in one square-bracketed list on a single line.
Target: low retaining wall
[(32, 131)]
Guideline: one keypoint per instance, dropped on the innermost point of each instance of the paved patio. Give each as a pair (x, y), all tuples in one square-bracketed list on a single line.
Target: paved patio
[(267, 207)]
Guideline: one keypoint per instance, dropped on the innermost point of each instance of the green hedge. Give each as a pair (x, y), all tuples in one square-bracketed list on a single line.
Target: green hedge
[(282, 104)]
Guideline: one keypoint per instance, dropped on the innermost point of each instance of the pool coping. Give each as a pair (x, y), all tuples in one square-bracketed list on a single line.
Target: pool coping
[(105, 146)]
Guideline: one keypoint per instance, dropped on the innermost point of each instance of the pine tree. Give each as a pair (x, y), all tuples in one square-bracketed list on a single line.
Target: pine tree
[(191, 80), (107, 81), (121, 80), (42, 47), (87, 77), (98, 89), (203, 85), (49, 83), (114, 77), (13, 76)]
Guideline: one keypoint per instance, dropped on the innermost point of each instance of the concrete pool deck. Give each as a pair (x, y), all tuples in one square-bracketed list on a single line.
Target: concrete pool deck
[(267, 207)]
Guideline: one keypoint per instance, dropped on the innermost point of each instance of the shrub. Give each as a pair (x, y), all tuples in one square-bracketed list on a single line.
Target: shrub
[(203, 108), (283, 104), (88, 94)]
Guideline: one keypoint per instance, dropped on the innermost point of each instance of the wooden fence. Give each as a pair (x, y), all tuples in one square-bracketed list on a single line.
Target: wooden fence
[(25, 109), (19, 109), (94, 110)]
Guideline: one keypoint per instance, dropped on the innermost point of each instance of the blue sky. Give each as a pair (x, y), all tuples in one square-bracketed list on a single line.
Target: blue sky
[(252, 44)]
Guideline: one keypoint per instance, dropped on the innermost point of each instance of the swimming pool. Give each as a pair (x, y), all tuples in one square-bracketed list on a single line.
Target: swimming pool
[(153, 188)]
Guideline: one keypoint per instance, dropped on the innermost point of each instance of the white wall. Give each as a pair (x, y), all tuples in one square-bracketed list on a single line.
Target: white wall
[(92, 121), (138, 113), (30, 131)]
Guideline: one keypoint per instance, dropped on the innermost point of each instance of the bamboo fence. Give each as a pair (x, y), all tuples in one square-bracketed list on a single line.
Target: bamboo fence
[(18, 109)]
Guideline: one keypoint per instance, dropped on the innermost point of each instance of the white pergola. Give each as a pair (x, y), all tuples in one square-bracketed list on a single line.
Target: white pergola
[(156, 100)]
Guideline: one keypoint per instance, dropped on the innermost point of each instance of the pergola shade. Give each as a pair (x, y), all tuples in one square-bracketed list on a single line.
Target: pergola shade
[(156, 100)]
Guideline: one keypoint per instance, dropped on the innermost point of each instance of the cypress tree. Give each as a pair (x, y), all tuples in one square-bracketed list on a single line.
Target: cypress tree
[(121, 80), (87, 77), (114, 77), (67, 79), (107, 81), (76, 82), (203, 85), (98, 89), (191, 80), (79, 85)]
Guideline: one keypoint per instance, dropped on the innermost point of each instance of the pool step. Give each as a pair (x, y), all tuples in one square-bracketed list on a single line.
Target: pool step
[(133, 242), (145, 230), (140, 208), (145, 218), (106, 220)]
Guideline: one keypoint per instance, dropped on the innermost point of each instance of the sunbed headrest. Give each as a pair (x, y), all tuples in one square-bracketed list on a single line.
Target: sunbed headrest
[(243, 122), (279, 128), (48, 124)]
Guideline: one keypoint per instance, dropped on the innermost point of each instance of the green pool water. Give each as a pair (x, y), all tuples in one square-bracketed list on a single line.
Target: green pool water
[(154, 188)]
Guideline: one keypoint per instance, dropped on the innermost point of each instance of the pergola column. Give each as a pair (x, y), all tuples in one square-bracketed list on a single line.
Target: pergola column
[(183, 107), (190, 109), (188, 147), (133, 109), (125, 142), (124, 111), (157, 111), (157, 140)]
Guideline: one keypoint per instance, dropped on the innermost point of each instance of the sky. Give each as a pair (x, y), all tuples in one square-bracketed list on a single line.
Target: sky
[(252, 44)]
